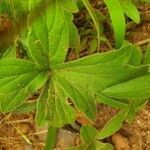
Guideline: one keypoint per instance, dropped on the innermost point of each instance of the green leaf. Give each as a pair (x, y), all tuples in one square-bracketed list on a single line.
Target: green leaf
[(82, 79), (118, 20), (62, 113), (74, 38), (147, 55), (11, 67), (4, 7), (136, 56), (83, 100), (14, 8), (111, 102), (51, 138), (88, 133), (130, 10), (113, 125), (57, 109), (96, 145), (94, 18), (18, 79), (69, 5), (26, 107), (132, 89), (41, 112), (34, 4), (49, 35), (10, 52)]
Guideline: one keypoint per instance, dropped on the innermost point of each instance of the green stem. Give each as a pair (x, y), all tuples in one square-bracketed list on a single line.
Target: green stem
[(51, 138)]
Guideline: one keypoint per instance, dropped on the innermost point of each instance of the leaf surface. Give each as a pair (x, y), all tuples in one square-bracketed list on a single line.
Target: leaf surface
[(18, 80), (130, 10), (69, 5), (53, 105), (48, 37), (84, 78), (88, 133), (147, 55), (118, 20), (133, 89), (113, 125)]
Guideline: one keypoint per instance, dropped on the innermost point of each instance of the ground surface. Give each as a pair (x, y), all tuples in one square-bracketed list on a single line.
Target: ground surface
[(134, 136)]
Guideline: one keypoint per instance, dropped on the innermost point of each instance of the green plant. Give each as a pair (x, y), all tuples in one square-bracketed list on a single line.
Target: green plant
[(110, 78), (117, 16)]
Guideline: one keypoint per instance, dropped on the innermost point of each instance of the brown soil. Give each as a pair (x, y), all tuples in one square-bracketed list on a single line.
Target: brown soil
[(18, 131), (132, 136)]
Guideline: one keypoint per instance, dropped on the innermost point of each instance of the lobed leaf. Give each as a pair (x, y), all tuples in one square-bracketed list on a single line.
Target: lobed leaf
[(84, 78), (82, 98)]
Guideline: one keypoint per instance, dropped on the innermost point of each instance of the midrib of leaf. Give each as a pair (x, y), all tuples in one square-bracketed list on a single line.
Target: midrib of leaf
[(60, 33), (24, 93), (59, 113), (52, 19), (41, 46), (25, 89), (62, 110), (17, 62), (81, 102), (15, 81), (57, 46), (6, 80), (74, 91), (111, 102), (58, 53), (57, 34), (118, 56), (50, 27), (135, 88)]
